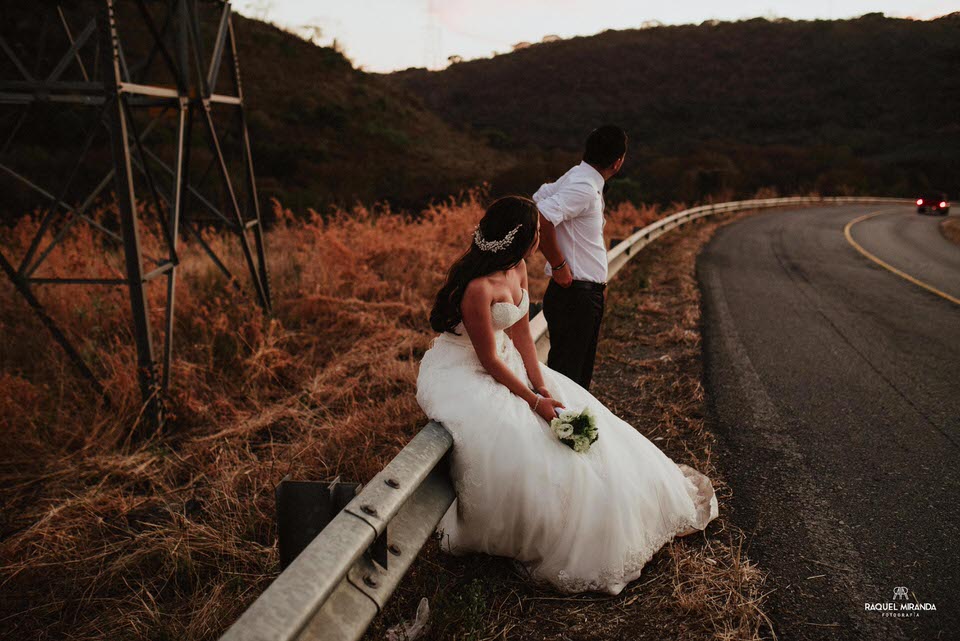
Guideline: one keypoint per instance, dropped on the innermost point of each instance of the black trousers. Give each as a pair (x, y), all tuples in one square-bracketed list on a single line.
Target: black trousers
[(573, 320)]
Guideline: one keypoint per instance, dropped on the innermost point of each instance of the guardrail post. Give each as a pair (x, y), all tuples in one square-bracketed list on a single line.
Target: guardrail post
[(304, 508)]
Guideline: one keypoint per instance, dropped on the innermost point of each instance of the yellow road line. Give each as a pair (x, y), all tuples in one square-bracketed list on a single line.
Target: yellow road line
[(901, 274)]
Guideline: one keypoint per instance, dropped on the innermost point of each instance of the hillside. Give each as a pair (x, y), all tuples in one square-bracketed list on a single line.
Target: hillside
[(721, 109), (862, 105), (325, 132)]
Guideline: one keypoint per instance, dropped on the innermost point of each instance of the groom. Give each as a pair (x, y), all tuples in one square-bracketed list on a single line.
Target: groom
[(571, 239)]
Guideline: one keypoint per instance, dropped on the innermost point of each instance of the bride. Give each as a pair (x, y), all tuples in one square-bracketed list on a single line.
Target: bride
[(579, 521)]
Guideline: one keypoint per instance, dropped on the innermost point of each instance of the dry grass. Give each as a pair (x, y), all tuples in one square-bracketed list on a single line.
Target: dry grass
[(697, 587), (103, 535)]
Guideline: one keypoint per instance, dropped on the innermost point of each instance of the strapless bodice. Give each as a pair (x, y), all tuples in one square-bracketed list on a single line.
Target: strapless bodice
[(503, 314), (506, 314)]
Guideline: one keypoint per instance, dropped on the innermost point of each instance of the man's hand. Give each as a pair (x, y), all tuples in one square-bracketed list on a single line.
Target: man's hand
[(550, 251), (563, 276)]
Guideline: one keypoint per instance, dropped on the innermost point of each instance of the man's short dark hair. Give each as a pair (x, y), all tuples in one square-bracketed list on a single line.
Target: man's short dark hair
[(605, 145)]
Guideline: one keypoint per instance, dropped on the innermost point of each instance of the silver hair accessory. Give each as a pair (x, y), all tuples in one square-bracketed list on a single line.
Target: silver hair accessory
[(494, 245)]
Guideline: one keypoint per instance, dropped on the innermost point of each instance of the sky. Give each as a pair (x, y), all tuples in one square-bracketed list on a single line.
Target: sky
[(387, 35)]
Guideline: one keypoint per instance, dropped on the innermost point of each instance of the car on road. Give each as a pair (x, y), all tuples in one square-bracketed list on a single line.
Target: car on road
[(934, 201)]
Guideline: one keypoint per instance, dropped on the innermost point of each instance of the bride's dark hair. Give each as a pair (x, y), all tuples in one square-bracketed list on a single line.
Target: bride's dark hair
[(500, 218)]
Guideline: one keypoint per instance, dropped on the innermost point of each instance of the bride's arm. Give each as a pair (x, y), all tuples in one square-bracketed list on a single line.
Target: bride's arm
[(478, 321), (519, 333)]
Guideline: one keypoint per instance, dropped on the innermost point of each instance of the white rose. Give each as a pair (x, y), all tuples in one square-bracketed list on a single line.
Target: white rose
[(564, 430)]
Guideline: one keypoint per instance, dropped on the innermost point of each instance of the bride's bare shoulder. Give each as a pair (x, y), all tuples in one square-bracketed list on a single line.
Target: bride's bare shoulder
[(477, 294)]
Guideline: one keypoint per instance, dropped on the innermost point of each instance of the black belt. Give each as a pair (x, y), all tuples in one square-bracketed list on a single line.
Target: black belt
[(588, 284)]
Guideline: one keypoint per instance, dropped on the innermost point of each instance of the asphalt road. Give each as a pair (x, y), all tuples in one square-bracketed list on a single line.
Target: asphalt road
[(834, 387)]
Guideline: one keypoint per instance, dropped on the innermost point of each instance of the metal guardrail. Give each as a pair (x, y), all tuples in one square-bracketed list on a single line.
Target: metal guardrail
[(334, 588)]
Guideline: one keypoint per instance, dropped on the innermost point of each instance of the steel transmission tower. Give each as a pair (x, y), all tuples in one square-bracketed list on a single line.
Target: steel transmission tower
[(162, 65)]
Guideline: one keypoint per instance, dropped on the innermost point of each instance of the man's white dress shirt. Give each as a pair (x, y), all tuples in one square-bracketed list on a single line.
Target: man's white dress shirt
[(574, 204)]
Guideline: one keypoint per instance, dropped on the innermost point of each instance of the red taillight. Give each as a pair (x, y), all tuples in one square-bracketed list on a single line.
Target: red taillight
[(943, 204), (919, 201)]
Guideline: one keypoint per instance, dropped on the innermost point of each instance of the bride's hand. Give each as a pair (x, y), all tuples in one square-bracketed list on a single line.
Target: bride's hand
[(543, 391), (545, 408)]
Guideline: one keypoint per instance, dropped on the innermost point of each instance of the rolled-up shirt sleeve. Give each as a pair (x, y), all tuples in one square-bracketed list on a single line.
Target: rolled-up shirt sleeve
[(546, 190), (569, 201)]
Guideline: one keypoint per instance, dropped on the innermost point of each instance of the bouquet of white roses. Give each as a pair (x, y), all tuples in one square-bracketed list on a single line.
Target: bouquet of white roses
[(578, 430)]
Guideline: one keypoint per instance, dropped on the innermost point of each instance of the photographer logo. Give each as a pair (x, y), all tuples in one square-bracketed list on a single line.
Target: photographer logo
[(900, 606)]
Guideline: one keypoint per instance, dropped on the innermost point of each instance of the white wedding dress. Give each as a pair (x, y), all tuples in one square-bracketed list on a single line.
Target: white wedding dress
[(580, 522)]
